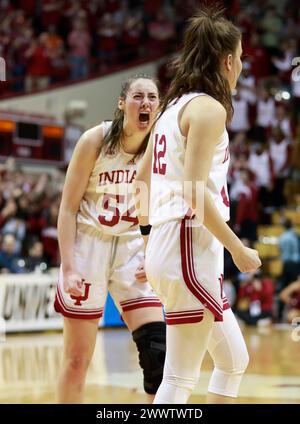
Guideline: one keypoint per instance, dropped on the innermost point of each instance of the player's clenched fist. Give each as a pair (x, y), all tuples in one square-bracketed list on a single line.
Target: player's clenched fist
[(246, 259), (73, 284)]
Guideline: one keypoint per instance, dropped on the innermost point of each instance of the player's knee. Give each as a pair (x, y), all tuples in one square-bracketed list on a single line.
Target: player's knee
[(237, 365), (244, 361), (228, 373), (151, 344), (77, 364), (186, 384), (241, 362)]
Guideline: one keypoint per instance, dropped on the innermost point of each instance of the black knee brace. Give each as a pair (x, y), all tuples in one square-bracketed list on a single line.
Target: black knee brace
[(150, 340)]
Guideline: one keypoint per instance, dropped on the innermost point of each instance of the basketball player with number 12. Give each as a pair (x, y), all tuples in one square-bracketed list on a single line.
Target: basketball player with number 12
[(184, 256)]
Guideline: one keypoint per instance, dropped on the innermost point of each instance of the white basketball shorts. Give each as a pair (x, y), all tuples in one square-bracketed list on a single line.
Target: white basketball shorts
[(184, 264), (106, 263)]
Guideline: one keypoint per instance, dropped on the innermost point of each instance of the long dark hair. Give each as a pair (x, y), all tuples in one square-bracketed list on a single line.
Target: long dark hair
[(208, 38), (112, 140)]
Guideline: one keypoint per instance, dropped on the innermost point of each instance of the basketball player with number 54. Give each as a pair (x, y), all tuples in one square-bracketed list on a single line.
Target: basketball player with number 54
[(101, 245)]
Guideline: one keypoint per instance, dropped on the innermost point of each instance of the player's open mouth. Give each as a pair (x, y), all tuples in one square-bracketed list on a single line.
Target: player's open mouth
[(144, 117)]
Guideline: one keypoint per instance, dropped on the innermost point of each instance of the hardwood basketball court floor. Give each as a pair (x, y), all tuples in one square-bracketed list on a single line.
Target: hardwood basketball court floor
[(29, 366)]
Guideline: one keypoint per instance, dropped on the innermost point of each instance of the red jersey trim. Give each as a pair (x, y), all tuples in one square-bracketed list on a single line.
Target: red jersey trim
[(225, 304)]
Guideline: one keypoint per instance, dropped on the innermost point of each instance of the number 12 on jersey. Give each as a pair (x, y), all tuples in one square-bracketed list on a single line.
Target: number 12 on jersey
[(160, 148)]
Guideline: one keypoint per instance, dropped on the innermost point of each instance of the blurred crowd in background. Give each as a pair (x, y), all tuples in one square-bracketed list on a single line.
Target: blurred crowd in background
[(51, 41), (29, 205)]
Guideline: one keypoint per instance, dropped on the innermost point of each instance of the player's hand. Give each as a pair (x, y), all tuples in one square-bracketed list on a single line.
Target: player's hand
[(246, 259), (140, 274), (73, 284)]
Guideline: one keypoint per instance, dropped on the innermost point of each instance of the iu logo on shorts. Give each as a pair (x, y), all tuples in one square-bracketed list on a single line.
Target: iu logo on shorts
[(85, 296)]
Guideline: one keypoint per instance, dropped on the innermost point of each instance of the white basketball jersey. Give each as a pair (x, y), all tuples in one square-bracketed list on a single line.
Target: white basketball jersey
[(167, 184), (108, 203)]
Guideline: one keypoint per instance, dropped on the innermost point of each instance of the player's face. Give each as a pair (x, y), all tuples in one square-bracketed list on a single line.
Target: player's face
[(140, 105), (233, 66)]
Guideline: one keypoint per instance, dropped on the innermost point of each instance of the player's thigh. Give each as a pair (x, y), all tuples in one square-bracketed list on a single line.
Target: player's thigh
[(187, 344), (227, 345), (138, 317), (80, 337)]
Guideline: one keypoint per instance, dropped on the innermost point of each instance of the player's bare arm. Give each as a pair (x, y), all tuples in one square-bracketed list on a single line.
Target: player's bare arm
[(79, 170), (143, 182), (287, 293)]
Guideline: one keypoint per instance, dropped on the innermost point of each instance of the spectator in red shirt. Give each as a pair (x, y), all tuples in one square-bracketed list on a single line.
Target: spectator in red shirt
[(112, 6), (131, 36), (150, 8), (161, 32), (290, 295), (258, 57), (20, 42), (245, 24), (255, 300), (107, 49), (29, 7), (79, 41), (247, 207), (38, 65), (51, 12)]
